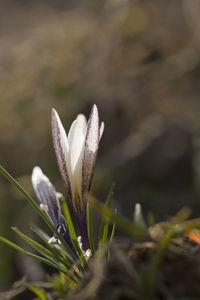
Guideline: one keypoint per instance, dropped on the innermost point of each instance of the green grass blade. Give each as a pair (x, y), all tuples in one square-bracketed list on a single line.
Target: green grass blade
[(112, 237), (55, 247), (110, 196), (190, 224), (112, 232), (90, 228), (103, 233), (26, 195), (72, 231), (182, 215), (68, 219), (57, 261), (38, 292), (71, 255), (42, 250), (120, 221), (39, 258), (45, 238)]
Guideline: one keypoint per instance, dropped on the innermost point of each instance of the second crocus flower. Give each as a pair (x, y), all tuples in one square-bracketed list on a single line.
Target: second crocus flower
[(49, 203)]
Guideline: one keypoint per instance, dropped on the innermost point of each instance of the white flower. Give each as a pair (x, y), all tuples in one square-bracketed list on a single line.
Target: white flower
[(76, 154)]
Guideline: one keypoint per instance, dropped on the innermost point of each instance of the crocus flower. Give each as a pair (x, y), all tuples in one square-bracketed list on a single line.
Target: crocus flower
[(49, 203), (76, 156)]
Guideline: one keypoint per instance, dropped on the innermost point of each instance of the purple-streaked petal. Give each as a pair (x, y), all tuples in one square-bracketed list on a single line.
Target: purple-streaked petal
[(61, 147), (46, 194), (64, 231), (91, 148)]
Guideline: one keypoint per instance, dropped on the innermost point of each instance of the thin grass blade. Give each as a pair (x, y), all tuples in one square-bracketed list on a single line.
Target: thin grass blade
[(112, 237), (57, 261), (103, 233), (45, 238), (90, 228), (120, 221), (38, 292), (39, 258), (42, 250), (55, 247)]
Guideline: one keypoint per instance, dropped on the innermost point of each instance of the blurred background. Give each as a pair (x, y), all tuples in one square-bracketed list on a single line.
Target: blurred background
[(139, 61)]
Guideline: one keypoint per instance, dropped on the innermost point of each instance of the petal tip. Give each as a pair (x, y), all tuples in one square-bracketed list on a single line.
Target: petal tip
[(53, 110), (94, 109), (36, 175), (94, 115), (54, 113), (36, 169)]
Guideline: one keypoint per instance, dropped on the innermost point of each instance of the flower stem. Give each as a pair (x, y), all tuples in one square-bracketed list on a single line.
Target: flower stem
[(82, 222)]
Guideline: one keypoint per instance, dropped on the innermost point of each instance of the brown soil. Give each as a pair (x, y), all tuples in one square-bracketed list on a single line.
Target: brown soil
[(133, 272)]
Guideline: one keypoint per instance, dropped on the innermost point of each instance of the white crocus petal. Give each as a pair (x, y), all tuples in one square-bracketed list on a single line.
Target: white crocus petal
[(81, 119), (61, 149), (71, 133), (76, 142), (91, 148), (76, 146), (70, 140), (102, 129), (78, 176)]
